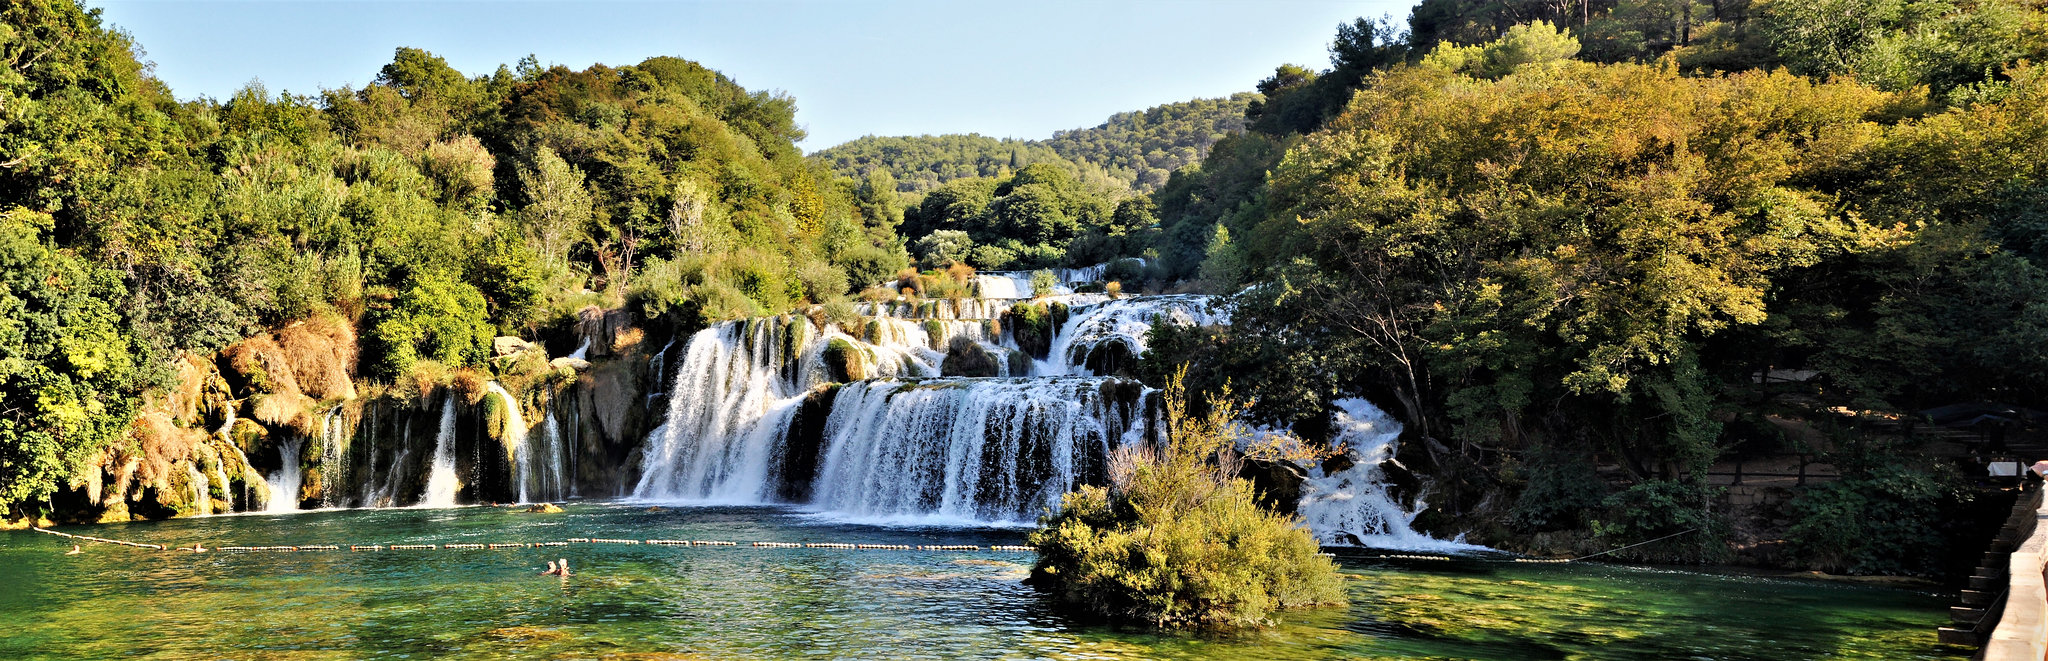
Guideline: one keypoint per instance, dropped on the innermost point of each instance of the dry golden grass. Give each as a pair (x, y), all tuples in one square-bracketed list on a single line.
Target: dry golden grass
[(626, 339), (321, 354), (288, 410), (470, 384)]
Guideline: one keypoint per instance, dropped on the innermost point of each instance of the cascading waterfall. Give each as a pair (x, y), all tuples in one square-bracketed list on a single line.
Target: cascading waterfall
[(284, 484), (539, 467), (253, 479), (333, 470), (989, 449), (551, 439), (442, 481), (1123, 322), (995, 450), (1351, 507), (714, 443)]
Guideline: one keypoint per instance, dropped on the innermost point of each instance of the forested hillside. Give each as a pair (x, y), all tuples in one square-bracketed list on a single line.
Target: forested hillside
[(1567, 252), (431, 210), (1135, 150)]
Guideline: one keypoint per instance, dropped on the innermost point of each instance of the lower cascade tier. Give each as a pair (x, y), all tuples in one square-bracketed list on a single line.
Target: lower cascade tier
[(983, 449)]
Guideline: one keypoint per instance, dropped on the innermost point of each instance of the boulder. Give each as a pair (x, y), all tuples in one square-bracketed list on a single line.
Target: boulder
[(1278, 483), (565, 362), (508, 345), (544, 508)]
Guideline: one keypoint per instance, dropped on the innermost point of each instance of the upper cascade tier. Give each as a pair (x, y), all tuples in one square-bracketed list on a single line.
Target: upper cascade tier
[(1096, 334)]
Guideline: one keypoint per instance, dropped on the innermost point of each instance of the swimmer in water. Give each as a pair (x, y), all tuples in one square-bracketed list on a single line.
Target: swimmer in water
[(74, 550), (564, 569), (552, 571)]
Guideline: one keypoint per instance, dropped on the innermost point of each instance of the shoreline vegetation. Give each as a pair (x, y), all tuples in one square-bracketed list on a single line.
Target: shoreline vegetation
[(1590, 259)]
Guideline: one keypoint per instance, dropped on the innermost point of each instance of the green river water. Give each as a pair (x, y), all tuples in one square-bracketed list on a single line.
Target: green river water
[(655, 602)]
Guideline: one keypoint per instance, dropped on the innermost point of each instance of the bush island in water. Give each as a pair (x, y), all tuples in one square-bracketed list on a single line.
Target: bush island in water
[(1177, 539)]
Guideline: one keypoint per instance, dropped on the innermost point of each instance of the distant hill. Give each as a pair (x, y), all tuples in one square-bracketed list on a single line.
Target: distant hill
[(1141, 148), (1135, 150)]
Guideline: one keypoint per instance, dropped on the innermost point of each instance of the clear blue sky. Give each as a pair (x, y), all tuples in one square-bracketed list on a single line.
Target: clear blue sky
[(1020, 69)]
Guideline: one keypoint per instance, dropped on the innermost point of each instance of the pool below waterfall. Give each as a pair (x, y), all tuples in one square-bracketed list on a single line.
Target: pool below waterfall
[(653, 602)]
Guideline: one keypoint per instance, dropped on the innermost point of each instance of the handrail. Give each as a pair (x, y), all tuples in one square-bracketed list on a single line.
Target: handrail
[(2022, 631)]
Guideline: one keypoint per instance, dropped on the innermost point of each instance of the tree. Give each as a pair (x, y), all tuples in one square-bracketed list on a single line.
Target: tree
[(686, 217), (558, 206), (944, 247), (66, 368)]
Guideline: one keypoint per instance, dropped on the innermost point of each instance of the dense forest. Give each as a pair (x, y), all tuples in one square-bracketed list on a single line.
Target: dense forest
[(1568, 245), (1571, 266), (1135, 150), (429, 210)]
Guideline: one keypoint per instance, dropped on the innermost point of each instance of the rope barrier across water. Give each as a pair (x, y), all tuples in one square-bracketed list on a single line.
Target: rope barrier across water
[(700, 542), (573, 540)]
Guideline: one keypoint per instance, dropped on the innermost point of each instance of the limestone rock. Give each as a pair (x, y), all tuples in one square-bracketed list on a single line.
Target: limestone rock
[(508, 345), (565, 362), (544, 508)]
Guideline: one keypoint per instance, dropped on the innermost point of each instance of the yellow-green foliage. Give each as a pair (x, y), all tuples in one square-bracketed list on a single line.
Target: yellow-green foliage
[(1177, 540)]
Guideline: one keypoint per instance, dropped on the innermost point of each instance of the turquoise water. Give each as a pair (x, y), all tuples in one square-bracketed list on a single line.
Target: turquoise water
[(654, 602)]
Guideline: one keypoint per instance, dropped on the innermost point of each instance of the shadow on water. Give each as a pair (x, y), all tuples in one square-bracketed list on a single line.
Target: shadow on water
[(724, 602)]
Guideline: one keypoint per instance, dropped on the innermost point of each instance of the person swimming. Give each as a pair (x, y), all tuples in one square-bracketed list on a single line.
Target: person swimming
[(564, 569), (552, 571), (74, 550)]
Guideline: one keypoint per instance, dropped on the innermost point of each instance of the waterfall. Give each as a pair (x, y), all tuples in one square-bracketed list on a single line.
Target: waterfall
[(284, 484), (1123, 323), (200, 497), (1352, 506), (713, 442), (554, 471), (442, 482), (333, 466), (991, 450), (517, 438), (251, 478)]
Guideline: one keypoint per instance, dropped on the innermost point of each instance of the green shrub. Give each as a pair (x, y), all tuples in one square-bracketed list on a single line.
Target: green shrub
[(1177, 540), (993, 257), (843, 313), (1880, 521), (821, 282), (1043, 282), (1657, 508), (868, 264)]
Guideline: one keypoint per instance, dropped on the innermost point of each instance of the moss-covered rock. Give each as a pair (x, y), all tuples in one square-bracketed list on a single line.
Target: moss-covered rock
[(965, 357), (846, 361), (935, 334), (248, 435), (1020, 363), (1031, 328)]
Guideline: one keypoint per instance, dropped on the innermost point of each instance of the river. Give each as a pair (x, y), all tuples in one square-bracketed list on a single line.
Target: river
[(655, 602)]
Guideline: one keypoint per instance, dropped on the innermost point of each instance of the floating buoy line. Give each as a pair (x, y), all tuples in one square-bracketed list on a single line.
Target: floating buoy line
[(844, 546), (572, 540)]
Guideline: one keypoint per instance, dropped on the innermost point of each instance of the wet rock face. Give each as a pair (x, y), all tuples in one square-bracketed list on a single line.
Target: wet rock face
[(1112, 358), (1278, 483)]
